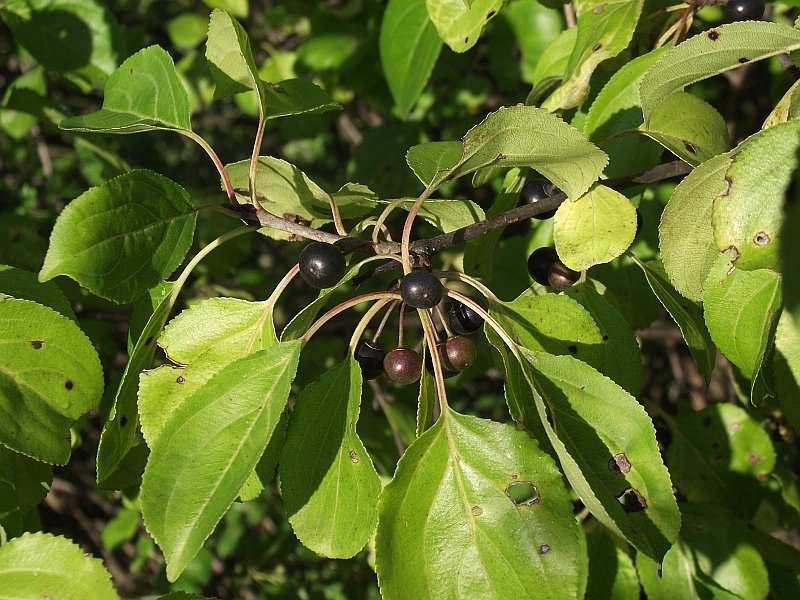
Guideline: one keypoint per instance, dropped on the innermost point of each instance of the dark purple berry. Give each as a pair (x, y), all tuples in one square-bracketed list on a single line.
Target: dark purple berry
[(462, 319), (369, 356), (403, 366), (561, 276), (447, 371), (421, 289), (460, 352), (321, 265), (744, 10), (535, 191), (539, 264)]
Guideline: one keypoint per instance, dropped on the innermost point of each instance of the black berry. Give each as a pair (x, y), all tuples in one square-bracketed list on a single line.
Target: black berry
[(539, 264), (447, 371), (561, 276), (421, 289), (462, 319), (370, 356), (460, 352), (535, 191), (321, 265), (744, 10), (403, 366)]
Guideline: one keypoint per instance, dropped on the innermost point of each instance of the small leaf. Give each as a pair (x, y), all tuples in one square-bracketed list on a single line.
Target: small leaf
[(460, 22), (604, 30), (449, 525), (594, 229), (607, 447), (219, 434), (296, 97), (143, 94), (230, 59), (787, 108), (433, 162), (712, 52), (50, 377), (187, 30), (426, 402), (41, 565), (328, 483), (717, 451), (686, 314), (448, 215), (741, 310), (409, 47), (121, 238), (686, 237), (748, 214), (699, 134)]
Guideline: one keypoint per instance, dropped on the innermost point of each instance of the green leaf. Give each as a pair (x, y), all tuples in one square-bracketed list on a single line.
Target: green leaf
[(553, 63), (230, 59), (187, 30), (503, 139), (748, 214), (409, 47), (607, 447), (789, 249), (686, 236), (18, 283), (121, 238), (448, 215), (50, 376), (41, 565), (622, 361), (713, 560), (219, 434), (460, 22), (476, 509), (328, 483), (617, 110), (604, 30), (612, 574), (200, 342), (23, 103), (596, 228), (686, 314), (712, 52), (741, 310), (296, 97), (30, 481), (238, 8), (787, 108), (426, 402), (715, 452), (143, 94), (524, 16), (78, 38), (787, 342), (699, 134)]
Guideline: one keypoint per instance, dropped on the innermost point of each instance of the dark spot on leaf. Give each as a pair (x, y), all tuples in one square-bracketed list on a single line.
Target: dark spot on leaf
[(180, 379), (514, 476), (713, 35), (149, 341), (597, 47), (605, 338), (619, 462), (573, 349), (689, 148), (123, 421), (743, 60), (735, 427), (753, 458), (37, 344), (466, 40), (523, 493), (659, 570), (599, 9), (632, 500), (476, 511), (353, 456), (490, 14), (278, 88), (761, 239), (68, 384), (544, 549)]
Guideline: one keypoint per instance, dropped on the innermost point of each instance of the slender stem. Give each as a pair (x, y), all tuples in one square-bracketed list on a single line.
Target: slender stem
[(364, 322), (436, 359), (223, 172), (339, 308), (486, 317), (282, 284), (406, 238), (337, 216), (401, 319), (387, 210), (254, 158), (471, 281), (448, 332), (384, 320)]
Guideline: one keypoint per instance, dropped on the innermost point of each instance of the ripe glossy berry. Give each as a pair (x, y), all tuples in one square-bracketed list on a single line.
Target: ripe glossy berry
[(539, 264), (460, 352), (421, 289), (370, 356), (321, 265), (561, 276), (403, 366), (462, 319), (744, 10), (535, 191), (447, 371)]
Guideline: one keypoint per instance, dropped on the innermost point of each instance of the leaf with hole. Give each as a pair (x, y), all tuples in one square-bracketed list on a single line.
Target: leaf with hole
[(460, 22), (486, 496)]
